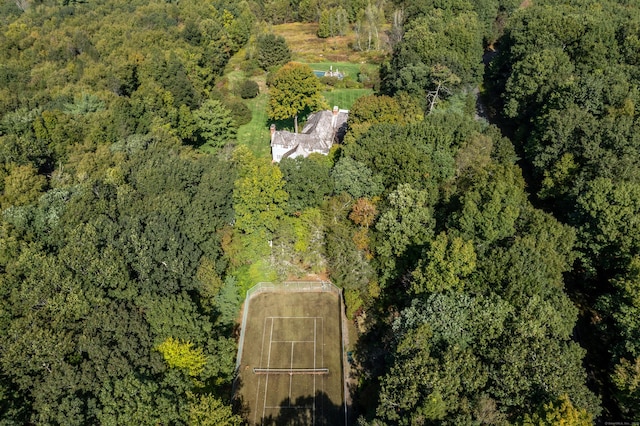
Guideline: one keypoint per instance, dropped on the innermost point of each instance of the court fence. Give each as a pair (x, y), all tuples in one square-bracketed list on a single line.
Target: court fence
[(293, 286)]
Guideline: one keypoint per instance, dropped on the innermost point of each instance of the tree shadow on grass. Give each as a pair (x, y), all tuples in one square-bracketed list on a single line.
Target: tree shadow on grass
[(286, 124), (238, 405), (302, 412)]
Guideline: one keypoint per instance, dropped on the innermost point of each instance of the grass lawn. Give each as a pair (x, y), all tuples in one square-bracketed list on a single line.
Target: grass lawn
[(255, 134), (347, 68), (234, 78), (344, 98)]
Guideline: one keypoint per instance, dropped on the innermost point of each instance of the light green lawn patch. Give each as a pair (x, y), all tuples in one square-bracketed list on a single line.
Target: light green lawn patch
[(344, 98), (255, 134), (235, 78), (349, 69), (249, 275)]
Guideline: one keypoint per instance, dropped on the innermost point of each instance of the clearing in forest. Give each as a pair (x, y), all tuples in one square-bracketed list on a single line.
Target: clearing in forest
[(290, 355), (321, 54)]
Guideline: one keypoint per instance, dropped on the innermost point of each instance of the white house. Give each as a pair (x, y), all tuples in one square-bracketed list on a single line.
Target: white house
[(322, 130)]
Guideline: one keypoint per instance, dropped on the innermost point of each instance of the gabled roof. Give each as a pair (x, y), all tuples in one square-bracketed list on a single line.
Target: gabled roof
[(325, 123), (321, 130)]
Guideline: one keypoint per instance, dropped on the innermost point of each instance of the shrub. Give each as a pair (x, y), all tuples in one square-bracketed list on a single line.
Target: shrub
[(348, 83), (240, 113), (353, 301), (249, 89), (330, 81), (250, 66), (369, 77)]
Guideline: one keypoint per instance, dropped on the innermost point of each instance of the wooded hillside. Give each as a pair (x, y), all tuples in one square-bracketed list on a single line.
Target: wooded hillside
[(481, 214)]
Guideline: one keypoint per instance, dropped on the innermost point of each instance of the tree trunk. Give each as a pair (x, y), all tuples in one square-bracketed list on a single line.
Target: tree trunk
[(434, 98), (23, 5)]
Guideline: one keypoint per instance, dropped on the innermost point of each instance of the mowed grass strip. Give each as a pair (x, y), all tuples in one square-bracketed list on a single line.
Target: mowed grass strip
[(255, 134), (275, 322)]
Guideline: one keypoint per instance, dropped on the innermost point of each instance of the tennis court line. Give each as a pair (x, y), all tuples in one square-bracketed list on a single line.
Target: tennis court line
[(291, 375), (315, 361), (264, 327), (293, 317), (266, 381)]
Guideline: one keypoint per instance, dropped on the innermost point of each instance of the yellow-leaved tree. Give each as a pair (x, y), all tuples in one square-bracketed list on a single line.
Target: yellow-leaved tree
[(183, 355), (562, 412)]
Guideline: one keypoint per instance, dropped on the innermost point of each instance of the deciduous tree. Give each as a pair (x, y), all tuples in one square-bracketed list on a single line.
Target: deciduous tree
[(295, 89)]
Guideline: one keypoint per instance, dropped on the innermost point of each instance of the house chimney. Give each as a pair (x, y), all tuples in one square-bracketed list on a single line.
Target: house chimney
[(272, 128), (335, 110)]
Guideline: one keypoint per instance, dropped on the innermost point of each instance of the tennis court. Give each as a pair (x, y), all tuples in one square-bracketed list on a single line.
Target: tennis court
[(291, 366)]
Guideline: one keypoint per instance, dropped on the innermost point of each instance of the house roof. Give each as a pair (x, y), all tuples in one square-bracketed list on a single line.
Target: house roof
[(319, 133), (324, 124)]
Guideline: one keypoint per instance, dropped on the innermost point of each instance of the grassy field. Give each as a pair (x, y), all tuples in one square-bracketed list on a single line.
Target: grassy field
[(344, 98), (307, 47), (289, 330)]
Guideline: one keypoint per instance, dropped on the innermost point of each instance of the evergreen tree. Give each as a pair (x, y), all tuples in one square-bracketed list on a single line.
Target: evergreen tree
[(272, 51)]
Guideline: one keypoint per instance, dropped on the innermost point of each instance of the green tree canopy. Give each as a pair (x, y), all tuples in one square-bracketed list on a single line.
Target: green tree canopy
[(307, 181), (258, 193), (440, 39), (109, 275), (295, 89), (216, 127), (272, 51)]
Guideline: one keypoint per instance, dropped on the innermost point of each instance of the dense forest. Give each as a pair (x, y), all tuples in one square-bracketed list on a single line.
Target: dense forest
[(482, 215)]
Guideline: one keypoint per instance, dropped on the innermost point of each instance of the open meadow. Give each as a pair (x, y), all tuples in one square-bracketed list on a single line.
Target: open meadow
[(306, 46)]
